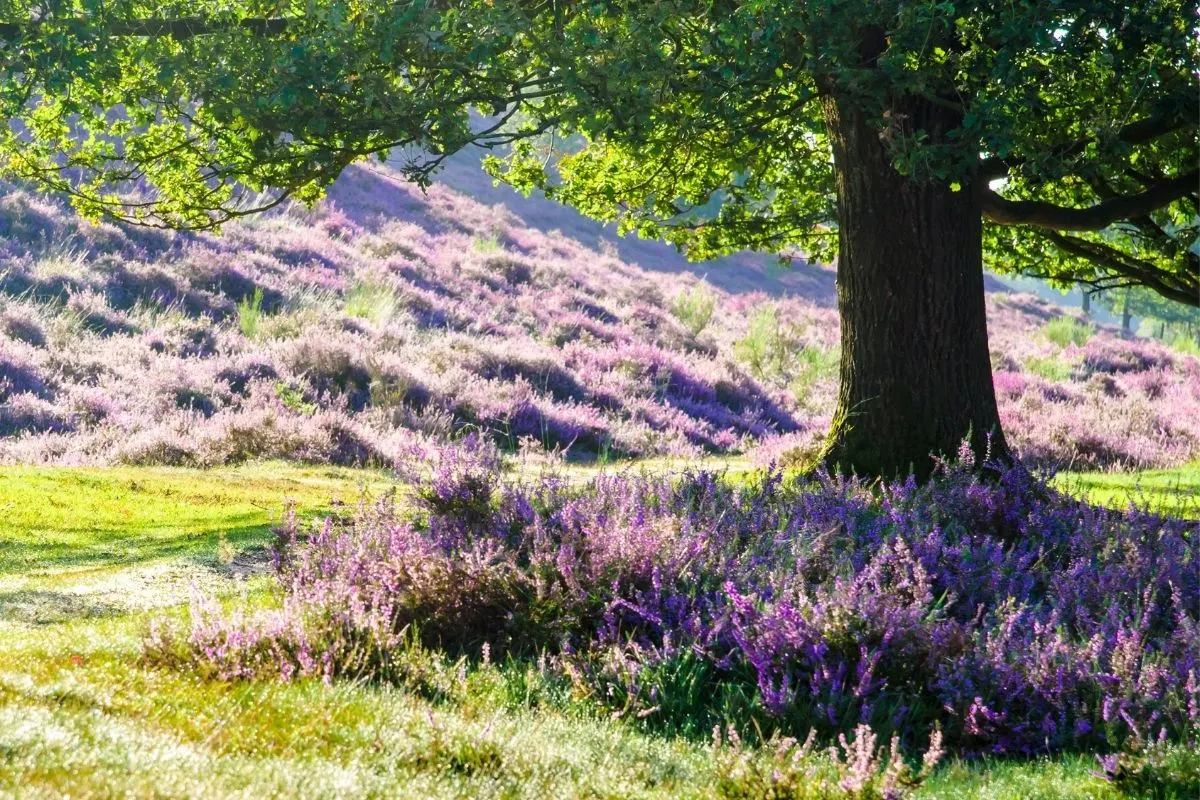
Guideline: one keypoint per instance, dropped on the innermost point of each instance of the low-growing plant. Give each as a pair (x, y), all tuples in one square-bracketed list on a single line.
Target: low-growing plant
[(250, 315), (1188, 345), (811, 366), (1155, 770), (293, 399), (1052, 368), (781, 353), (1064, 331), (61, 259), (694, 307), (784, 768), (486, 244), (126, 306), (374, 301), (761, 349), (1014, 619)]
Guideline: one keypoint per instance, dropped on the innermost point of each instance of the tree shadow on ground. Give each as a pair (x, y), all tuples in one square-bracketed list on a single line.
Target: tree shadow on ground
[(124, 550), (45, 607)]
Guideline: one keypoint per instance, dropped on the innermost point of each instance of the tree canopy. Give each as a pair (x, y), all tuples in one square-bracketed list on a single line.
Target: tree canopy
[(1082, 116)]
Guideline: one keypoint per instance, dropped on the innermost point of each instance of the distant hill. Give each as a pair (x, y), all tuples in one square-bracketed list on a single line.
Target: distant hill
[(387, 318)]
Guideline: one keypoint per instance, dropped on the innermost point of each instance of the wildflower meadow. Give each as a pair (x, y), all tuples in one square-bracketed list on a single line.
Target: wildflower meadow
[(832, 631), (660, 399)]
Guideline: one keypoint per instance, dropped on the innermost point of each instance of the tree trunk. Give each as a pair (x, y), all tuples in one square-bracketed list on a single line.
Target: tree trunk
[(1087, 303), (1126, 317), (916, 376)]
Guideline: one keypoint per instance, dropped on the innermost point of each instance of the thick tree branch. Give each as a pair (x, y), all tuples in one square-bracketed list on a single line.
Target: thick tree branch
[(1148, 229), (1094, 218), (1182, 288)]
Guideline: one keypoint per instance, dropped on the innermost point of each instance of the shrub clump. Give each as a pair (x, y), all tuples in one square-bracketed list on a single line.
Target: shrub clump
[(694, 307), (1065, 331), (1014, 619)]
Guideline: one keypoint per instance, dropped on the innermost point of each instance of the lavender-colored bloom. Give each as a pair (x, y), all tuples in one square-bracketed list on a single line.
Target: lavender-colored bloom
[(1015, 619)]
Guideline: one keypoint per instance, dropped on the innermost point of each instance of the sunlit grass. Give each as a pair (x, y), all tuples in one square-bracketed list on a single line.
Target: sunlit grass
[(82, 716), (1168, 491), (373, 301), (1064, 331), (79, 717), (69, 529)]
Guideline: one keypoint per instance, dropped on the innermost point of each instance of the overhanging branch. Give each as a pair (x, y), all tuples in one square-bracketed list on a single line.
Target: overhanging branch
[(1183, 288), (181, 28), (1094, 218), (1139, 132)]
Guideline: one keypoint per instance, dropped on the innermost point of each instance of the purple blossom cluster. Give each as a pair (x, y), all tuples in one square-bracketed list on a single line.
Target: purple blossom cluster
[(1012, 618), (1110, 403)]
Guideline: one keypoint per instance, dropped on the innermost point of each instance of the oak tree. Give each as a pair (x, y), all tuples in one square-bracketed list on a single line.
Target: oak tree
[(916, 141)]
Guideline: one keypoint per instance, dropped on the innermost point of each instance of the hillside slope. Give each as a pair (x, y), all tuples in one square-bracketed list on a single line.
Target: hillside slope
[(345, 333), (385, 318)]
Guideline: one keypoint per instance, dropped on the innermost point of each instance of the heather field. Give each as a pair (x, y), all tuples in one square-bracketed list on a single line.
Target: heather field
[(407, 495), (386, 320)]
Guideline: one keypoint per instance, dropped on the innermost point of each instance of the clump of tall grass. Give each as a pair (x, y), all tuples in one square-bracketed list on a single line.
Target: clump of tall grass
[(694, 307), (784, 353), (764, 347), (489, 243), (250, 315), (1064, 331), (1188, 345), (1052, 368), (374, 301)]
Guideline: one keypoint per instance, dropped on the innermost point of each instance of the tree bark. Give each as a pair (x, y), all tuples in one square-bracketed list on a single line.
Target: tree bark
[(1087, 303), (916, 376)]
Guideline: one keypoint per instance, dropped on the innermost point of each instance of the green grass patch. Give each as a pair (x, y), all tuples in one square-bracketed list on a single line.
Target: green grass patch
[(1167, 491), (694, 307), (66, 531), (372, 301), (1186, 345), (250, 315), (80, 717), (1065, 331), (1051, 368)]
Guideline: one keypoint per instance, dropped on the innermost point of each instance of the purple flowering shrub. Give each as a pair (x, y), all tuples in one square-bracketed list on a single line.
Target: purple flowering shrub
[(1125, 403), (1014, 619), (405, 317), (1110, 403), (386, 317)]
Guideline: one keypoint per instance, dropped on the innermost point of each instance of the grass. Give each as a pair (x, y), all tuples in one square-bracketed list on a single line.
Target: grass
[(694, 307), (1051, 368), (81, 716), (1064, 331), (1170, 491), (74, 538), (372, 301), (487, 244), (250, 315), (1186, 345)]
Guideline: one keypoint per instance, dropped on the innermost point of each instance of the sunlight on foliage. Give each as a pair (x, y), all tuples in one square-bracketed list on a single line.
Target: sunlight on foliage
[(694, 307), (1065, 331)]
